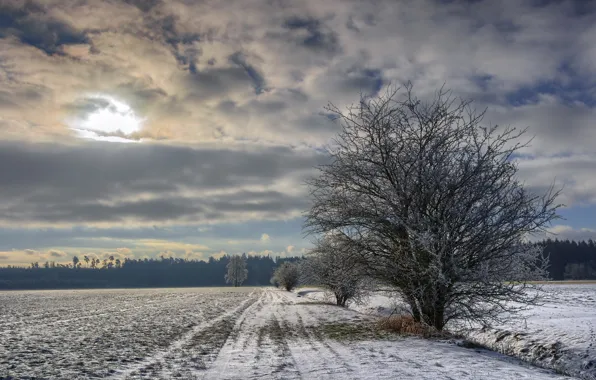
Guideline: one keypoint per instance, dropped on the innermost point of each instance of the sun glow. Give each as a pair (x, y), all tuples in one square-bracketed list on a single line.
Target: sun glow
[(109, 120)]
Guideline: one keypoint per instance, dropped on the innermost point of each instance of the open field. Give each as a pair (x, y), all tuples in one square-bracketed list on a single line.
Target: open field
[(559, 334), (219, 333)]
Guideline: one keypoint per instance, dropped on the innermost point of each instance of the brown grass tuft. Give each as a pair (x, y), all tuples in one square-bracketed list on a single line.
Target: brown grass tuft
[(406, 325)]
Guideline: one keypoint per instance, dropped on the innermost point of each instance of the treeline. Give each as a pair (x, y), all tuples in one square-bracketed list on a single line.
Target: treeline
[(136, 273), (571, 260)]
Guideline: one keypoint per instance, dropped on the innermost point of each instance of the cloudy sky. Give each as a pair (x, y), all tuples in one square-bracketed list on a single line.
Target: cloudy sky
[(186, 128)]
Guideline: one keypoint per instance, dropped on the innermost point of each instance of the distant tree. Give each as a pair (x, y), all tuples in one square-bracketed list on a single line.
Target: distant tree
[(574, 271), (287, 275), (75, 262), (431, 201), (579, 271), (86, 258), (334, 265), (236, 270), (118, 263)]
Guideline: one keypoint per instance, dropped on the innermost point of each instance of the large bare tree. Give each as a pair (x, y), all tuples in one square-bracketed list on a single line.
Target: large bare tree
[(430, 200)]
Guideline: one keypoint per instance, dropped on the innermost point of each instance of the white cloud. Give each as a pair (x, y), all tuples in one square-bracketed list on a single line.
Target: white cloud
[(565, 232), (265, 238)]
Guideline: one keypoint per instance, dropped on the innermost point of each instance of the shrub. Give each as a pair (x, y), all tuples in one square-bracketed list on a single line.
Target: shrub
[(287, 275)]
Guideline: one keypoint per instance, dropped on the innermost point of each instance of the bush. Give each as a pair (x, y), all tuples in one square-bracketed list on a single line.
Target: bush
[(333, 265), (287, 275)]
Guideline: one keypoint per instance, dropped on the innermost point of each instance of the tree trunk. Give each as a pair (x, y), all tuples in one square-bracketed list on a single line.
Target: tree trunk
[(435, 315), (414, 306)]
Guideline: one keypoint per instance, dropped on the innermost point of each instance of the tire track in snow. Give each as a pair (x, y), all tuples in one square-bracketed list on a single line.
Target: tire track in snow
[(314, 356), (251, 351), (178, 344)]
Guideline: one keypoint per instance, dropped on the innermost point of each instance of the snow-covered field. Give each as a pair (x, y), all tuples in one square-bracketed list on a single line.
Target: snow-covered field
[(220, 333), (560, 334)]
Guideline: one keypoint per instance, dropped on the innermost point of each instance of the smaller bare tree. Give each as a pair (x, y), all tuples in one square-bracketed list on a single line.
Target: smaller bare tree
[(287, 275), (237, 272), (334, 265)]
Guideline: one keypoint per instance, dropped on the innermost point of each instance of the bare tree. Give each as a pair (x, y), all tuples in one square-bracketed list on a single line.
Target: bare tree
[(287, 275), (237, 272), (334, 265), (430, 200)]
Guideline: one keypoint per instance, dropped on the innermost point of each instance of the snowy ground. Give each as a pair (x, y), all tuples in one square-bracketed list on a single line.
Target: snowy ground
[(560, 334), (219, 334)]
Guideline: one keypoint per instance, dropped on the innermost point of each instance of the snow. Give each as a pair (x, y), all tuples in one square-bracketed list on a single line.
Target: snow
[(219, 333), (560, 334)]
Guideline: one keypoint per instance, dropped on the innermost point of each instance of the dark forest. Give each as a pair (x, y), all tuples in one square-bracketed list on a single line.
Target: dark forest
[(135, 273), (569, 260)]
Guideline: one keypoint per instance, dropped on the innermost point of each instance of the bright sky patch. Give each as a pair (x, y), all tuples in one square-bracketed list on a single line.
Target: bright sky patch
[(113, 121)]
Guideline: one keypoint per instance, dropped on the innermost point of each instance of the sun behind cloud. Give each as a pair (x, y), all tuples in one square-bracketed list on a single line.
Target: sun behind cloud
[(105, 118)]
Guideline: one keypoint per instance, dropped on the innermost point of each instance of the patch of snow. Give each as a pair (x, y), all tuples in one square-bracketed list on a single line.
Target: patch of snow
[(559, 335)]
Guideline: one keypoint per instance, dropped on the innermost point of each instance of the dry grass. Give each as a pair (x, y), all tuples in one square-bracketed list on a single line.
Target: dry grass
[(406, 325), (350, 331)]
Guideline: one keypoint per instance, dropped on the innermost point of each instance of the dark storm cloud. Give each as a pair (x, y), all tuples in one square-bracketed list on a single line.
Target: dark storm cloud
[(144, 5), (213, 82), (31, 24), (167, 30), (365, 80), (105, 182), (257, 78), (142, 95), (318, 36)]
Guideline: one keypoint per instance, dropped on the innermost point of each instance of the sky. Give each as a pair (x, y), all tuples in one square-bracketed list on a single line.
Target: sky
[(140, 128)]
